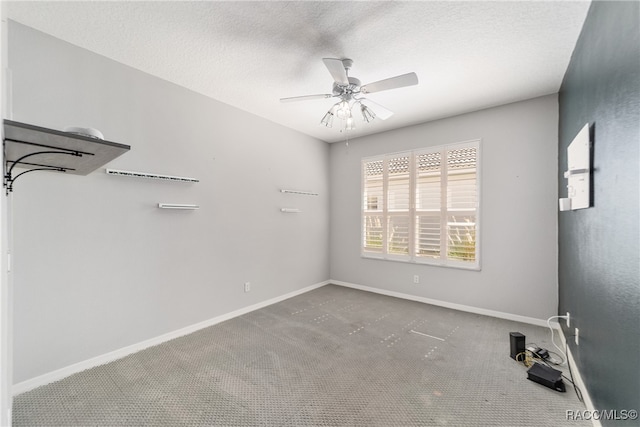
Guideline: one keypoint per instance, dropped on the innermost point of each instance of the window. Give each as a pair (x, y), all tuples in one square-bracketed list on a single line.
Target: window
[(422, 206)]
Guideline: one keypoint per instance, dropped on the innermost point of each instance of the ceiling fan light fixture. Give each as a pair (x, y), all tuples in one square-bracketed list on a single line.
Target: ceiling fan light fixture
[(367, 113), (327, 120), (349, 124), (344, 110)]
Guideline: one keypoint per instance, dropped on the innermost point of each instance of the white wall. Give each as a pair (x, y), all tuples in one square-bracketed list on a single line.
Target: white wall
[(97, 266), (518, 208), (6, 298)]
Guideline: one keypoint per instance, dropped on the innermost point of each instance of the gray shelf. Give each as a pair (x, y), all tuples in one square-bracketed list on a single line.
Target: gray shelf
[(39, 149)]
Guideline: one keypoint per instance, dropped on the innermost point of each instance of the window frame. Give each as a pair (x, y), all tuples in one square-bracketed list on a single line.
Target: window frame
[(385, 214)]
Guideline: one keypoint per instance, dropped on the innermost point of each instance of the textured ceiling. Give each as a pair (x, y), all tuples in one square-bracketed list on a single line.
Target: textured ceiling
[(467, 55)]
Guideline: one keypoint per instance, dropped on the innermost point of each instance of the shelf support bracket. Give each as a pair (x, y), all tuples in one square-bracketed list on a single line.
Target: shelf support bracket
[(9, 180)]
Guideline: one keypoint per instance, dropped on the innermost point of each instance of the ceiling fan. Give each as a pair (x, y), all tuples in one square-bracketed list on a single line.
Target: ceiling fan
[(350, 90)]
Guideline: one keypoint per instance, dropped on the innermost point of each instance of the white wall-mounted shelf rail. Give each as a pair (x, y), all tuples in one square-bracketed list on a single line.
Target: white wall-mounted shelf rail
[(290, 210), (304, 193), (150, 175), (178, 206)]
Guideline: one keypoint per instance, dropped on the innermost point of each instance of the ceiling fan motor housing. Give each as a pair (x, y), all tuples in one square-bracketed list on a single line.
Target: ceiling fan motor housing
[(353, 87)]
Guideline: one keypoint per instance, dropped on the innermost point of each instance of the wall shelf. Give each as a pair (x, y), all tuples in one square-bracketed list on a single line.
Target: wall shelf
[(304, 193), (150, 175), (41, 149), (178, 206)]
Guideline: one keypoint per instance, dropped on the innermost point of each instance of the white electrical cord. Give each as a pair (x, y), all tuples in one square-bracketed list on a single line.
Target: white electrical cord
[(562, 353)]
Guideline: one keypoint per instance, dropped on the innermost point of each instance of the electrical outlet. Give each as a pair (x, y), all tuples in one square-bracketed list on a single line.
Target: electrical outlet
[(577, 335), (568, 320), (416, 279), (247, 286)]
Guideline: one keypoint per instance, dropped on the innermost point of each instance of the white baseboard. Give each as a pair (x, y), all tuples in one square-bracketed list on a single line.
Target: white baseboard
[(460, 307), (577, 379), (125, 351)]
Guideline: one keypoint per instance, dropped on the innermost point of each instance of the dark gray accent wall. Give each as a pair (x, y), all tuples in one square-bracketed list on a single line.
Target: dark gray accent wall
[(599, 256)]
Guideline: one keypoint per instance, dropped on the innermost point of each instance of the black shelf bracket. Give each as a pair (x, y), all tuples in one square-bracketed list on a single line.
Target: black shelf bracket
[(9, 179)]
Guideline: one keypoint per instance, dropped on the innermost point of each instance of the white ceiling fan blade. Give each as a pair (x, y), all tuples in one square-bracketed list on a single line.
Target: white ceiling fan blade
[(305, 97), (403, 80), (337, 70), (381, 112)]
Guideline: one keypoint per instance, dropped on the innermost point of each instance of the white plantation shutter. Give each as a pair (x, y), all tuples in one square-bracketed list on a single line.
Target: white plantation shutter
[(373, 219), (462, 201), (422, 206), (428, 204), (398, 193)]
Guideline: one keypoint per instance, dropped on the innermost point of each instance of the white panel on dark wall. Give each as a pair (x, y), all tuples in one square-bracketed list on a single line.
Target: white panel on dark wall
[(578, 172)]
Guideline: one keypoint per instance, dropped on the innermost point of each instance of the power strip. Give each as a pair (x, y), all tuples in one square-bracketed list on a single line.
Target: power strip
[(540, 352)]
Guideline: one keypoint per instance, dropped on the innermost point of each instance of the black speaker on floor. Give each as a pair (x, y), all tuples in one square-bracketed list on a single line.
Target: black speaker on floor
[(517, 344)]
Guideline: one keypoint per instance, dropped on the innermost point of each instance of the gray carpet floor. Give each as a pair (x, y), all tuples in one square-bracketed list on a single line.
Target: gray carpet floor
[(330, 357)]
